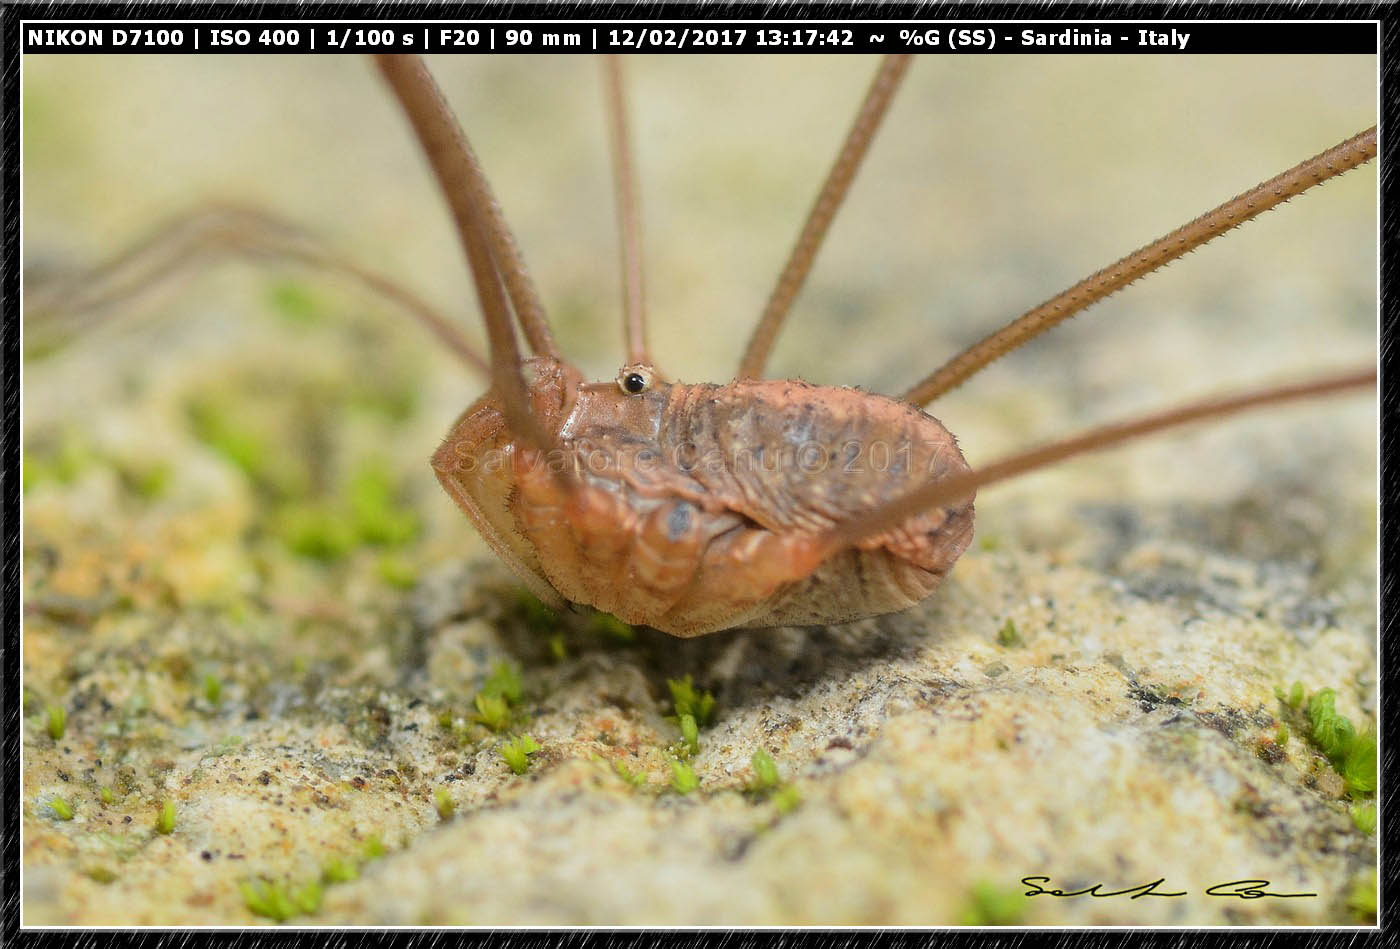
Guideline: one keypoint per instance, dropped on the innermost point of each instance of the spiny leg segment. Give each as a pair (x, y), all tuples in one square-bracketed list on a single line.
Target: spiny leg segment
[(809, 242), (1357, 150)]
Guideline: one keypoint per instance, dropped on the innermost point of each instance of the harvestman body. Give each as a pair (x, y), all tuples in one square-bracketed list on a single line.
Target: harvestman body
[(664, 503), (696, 508)]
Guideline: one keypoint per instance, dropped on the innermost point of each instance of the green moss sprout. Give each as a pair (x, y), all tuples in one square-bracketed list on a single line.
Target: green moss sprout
[(443, 803), (993, 905), (165, 820), (517, 751), (690, 735), (609, 626), (1352, 753), (279, 902), (1364, 817), (683, 777), (56, 721), (504, 681), (339, 870), (700, 705), (765, 773), (491, 711), (637, 780)]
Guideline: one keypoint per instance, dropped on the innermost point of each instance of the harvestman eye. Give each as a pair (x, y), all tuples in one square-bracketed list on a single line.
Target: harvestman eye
[(634, 380)]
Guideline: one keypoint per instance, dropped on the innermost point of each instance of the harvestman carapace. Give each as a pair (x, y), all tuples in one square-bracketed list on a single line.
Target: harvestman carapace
[(696, 508)]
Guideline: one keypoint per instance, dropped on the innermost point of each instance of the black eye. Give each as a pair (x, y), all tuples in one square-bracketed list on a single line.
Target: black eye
[(634, 383)]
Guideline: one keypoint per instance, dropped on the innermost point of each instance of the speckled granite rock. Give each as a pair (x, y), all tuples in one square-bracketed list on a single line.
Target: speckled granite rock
[(302, 691)]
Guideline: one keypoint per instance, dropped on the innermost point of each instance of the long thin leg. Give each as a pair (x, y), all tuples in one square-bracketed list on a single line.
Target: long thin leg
[(838, 182), (963, 485), (634, 318), (1343, 157), (501, 241), (201, 236), (464, 187)]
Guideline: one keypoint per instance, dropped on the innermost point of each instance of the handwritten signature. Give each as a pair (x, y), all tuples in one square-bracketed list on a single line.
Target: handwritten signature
[(1241, 889)]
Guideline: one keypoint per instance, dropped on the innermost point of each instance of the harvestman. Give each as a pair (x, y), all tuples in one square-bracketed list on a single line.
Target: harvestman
[(697, 508)]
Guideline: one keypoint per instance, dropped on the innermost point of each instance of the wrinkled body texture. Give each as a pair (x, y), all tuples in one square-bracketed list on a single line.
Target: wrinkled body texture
[(696, 508)]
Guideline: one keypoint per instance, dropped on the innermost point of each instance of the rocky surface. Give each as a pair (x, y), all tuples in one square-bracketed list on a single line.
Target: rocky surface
[(267, 628)]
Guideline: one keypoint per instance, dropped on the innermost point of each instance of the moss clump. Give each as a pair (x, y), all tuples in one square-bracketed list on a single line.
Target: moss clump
[(339, 870), (765, 773), (397, 572), (683, 777), (315, 510), (56, 721), (107, 796), (61, 808), (992, 905), (610, 627), (245, 447), (147, 480), (517, 751), (165, 820), (375, 515), (225, 745), (1364, 817), (636, 780), (690, 735), (63, 460), (279, 902), (536, 615), (1008, 636), (502, 689), (1295, 695), (315, 531), (1352, 754), (787, 799), (1292, 697), (557, 650), (768, 783), (99, 873), (213, 689), (444, 805), (370, 515), (491, 711), (699, 705), (505, 682), (1361, 898)]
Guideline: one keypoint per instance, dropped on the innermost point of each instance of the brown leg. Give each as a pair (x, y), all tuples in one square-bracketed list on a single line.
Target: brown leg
[(479, 226), (838, 182), (1357, 150), (964, 485), (200, 237), (628, 217)]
